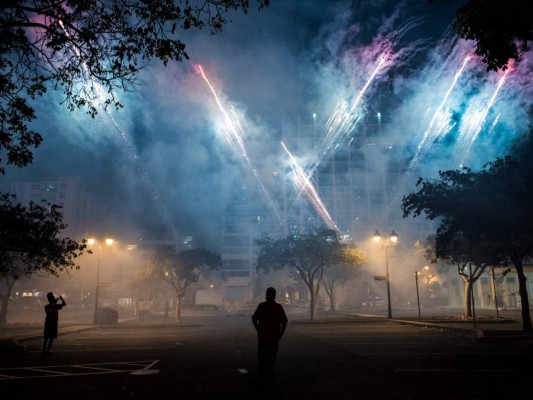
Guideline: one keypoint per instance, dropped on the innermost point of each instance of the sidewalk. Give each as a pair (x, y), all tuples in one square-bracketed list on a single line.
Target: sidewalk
[(506, 325)]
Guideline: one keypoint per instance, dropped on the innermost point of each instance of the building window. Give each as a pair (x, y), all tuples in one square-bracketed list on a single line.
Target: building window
[(235, 241)]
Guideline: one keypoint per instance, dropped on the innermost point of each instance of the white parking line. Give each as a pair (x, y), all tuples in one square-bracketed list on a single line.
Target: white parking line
[(50, 371), (147, 370), (462, 371)]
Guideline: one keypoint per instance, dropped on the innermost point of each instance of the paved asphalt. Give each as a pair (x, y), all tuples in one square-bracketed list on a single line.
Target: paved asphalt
[(364, 356)]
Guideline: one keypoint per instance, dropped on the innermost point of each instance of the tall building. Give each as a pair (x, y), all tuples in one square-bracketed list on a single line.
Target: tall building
[(360, 183), (69, 192)]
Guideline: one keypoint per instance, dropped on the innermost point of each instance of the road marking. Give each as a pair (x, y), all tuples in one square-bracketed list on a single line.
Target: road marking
[(77, 350), (462, 371), (243, 370), (47, 371), (51, 371), (146, 370), (424, 354)]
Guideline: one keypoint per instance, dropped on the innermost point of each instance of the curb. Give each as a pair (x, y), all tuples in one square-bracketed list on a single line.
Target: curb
[(479, 334), (16, 344)]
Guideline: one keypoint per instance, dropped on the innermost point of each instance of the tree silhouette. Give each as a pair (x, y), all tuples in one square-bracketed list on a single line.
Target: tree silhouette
[(483, 216), (30, 244), (181, 269), (501, 30), (89, 49), (309, 254)]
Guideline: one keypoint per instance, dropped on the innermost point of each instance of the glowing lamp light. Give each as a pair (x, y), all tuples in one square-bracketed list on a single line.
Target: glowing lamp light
[(385, 245), (91, 241), (109, 241)]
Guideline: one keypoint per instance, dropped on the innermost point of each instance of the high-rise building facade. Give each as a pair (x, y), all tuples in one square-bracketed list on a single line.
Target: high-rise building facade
[(360, 183), (69, 192)]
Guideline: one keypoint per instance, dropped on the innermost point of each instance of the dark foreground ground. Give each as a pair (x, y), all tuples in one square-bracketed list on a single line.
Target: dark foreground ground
[(338, 356)]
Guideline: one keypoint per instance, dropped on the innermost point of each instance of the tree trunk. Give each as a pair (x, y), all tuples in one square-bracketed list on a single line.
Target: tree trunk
[(522, 289), (4, 298), (312, 306), (314, 296), (332, 301), (178, 309), (329, 286), (468, 298)]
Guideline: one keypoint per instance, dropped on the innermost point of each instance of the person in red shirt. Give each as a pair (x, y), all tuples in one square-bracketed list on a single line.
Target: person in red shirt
[(50, 322), (270, 321)]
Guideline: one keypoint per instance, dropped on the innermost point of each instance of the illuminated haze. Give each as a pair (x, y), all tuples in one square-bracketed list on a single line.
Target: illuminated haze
[(160, 163)]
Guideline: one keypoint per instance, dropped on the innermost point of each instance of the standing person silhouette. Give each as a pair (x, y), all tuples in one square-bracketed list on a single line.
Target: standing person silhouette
[(270, 321), (50, 322)]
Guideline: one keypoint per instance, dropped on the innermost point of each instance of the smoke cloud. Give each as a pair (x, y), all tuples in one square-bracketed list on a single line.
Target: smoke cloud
[(161, 163)]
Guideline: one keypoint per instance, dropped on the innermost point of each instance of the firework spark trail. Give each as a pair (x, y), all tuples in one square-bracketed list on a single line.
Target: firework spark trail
[(304, 185), (494, 123), (97, 95), (438, 127), (343, 120), (442, 125), (232, 132), (473, 126), (230, 129)]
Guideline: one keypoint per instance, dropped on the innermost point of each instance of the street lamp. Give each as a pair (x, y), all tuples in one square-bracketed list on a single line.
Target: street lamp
[(91, 242), (387, 243), (428, 278), (417, 293)]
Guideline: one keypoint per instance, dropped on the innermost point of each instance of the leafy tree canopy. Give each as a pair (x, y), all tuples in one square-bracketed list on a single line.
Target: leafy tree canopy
[(30, 240), (501, 30), (308, 254), (305, 252), (179, 270), (484, 216), (488, 210), (30, 243), (89, 49)]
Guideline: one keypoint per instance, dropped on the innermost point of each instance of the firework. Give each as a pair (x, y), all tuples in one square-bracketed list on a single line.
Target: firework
[(440, 124), (305, 186), (472, 127), (230, 129), (96, 94), (342, 121)]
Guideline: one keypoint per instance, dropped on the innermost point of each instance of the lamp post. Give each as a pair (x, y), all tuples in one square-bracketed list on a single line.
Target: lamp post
[(91, 242), (387, 243), (429, 275), (417, 294)]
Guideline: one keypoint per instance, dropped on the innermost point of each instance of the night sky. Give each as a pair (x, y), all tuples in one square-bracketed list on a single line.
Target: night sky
[(161, 154)]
